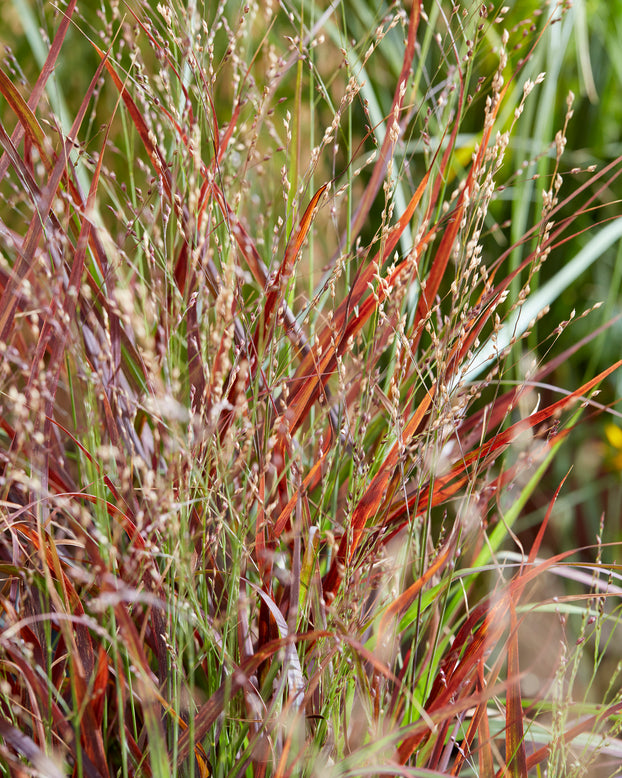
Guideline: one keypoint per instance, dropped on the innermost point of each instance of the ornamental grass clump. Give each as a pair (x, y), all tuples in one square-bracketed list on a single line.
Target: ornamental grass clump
[(276, 391)]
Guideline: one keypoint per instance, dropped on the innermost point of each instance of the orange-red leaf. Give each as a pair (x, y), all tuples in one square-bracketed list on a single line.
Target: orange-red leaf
[(514, 731)]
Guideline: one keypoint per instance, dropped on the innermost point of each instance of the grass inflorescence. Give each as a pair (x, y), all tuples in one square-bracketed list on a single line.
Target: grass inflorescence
[(281, 396)]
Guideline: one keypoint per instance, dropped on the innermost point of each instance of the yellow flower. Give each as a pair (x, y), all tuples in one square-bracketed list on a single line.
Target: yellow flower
[(614, 436)]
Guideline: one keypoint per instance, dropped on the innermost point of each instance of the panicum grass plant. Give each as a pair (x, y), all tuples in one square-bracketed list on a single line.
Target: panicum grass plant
[(297, 360)]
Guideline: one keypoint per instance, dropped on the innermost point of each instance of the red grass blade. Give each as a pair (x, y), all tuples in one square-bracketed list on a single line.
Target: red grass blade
[(375, 495), (485, 750), (276, 290), (405, 600), (589, 724), (37, 90), (514, 732), (446, 486), (391, 137), (26, 747)]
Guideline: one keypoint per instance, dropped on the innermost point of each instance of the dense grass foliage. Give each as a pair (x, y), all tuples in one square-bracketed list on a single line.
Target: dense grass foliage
[(304, 468)]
